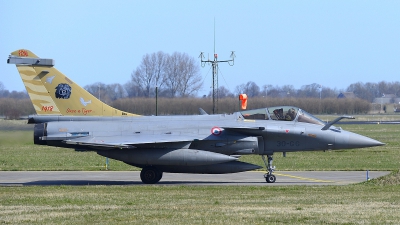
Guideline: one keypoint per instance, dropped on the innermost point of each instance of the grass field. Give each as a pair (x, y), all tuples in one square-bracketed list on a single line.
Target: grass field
[(373, 202), (367, 203)]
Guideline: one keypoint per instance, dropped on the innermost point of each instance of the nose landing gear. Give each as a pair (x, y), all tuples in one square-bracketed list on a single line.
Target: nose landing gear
[(269, 177)]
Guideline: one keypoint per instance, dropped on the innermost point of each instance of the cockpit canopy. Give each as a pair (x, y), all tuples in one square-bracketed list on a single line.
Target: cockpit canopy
[(284, 113)]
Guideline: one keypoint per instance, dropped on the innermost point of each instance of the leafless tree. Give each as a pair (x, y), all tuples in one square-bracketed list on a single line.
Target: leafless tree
[(4, 93), (182, 75), (173, 70), (97, 89), (289, 90), (190, 81), (265, 89), (240, 89), (106, 92), (116, 91), (132, 89), (310, 91), (329, 93), (223, 92), (150, 73), (251, 89)]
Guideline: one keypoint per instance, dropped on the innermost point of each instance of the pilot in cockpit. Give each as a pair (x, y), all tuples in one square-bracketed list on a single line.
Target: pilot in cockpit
[(290, 115), (279, 114)]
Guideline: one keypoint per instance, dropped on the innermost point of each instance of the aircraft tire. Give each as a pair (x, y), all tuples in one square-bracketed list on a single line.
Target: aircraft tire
[(150, 175), (270, 178)]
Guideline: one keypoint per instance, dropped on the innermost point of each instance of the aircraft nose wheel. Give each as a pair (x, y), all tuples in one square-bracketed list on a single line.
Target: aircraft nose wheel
[(269, 177)]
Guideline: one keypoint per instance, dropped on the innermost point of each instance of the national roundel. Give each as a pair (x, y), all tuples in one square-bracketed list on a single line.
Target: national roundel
[(216, 131)]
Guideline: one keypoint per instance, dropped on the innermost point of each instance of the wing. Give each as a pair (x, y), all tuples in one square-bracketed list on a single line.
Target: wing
[(167, 140), (164, 140)]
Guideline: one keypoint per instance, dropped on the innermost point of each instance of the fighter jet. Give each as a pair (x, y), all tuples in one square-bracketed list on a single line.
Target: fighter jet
[(70, 117)]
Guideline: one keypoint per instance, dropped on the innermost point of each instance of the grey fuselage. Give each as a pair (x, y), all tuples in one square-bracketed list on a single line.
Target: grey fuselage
[(171, 142)]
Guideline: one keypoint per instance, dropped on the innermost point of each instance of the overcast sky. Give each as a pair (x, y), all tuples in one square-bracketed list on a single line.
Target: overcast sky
[(331, 43)]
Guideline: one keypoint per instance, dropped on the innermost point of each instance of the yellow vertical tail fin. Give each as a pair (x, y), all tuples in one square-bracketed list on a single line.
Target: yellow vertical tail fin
[(52, 93)]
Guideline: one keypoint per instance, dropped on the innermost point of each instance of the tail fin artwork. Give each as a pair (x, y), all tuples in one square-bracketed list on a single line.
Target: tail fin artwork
[(52, 93)]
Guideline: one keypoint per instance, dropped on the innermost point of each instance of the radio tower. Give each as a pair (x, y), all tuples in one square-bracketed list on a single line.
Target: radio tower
[(214, 64)]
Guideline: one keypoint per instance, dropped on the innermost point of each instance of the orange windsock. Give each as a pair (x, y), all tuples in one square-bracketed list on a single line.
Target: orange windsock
[(243, 98)]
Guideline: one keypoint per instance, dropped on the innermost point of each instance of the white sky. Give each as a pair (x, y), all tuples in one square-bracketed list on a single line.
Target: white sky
[(332, 43)]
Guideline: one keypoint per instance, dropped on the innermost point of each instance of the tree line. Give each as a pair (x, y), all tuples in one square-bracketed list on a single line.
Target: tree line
[(366, 91), (12, 108), (4, 93), (369, 91), (111, 92), (190, 106)]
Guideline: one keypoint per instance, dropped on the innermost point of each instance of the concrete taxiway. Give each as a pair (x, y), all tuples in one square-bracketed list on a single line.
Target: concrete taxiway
[(255, 178)]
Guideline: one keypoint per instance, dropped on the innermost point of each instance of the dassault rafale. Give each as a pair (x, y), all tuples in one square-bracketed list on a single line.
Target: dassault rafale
[(68, 116)]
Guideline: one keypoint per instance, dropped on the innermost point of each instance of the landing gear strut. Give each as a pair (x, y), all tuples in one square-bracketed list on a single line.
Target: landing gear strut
[(269, 177), (150, 175)]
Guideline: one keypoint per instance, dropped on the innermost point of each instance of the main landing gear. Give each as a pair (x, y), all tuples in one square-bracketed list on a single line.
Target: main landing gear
[(269, 177), (150, 175)]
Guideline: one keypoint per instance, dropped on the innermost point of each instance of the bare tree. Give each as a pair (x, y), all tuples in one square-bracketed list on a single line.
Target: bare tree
[(289, 90), (310, 91), (116, 91), (329, 93), (265, 89), (182, 75), (251, 89), (106, 92), (356, 88), (173, 70), (223, 92), (190, 79), (132, 89), (150, 73), (4, 93), (159, 60), (240, 89), (274, 92), (97, 89)]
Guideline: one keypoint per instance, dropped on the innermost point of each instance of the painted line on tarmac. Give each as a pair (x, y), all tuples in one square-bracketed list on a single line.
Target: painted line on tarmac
[(304, 178), (300, 178)]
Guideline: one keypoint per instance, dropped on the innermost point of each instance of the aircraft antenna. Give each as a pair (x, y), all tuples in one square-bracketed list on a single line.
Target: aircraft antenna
[(214, 64)]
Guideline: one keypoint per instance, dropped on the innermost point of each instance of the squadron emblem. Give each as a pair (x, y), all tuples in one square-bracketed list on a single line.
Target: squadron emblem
[(63, 91)]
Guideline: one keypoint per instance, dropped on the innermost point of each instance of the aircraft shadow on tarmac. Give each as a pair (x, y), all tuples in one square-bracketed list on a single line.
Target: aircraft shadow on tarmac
[(126, 183)]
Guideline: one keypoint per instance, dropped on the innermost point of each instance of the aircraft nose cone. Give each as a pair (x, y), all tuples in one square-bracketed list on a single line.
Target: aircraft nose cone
[(352, 140), (359, 141)]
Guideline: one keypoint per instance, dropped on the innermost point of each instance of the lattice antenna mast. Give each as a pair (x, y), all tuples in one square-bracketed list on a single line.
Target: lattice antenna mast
[(214, 64)]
